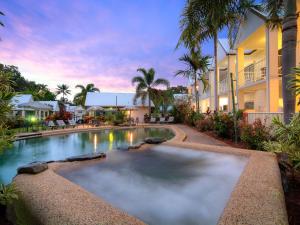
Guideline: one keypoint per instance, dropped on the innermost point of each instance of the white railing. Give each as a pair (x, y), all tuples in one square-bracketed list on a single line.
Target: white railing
[(265, 117), (253, 73), (223, 86)]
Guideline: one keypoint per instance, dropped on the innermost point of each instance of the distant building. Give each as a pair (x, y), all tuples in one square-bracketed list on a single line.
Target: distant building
[(97, 103), (24, 106)]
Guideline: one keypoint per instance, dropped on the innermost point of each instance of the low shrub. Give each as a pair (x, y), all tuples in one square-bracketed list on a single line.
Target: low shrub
[(182, 111), (287, 139), (195, 117), (206, 124), (254, 135), (223, 125)]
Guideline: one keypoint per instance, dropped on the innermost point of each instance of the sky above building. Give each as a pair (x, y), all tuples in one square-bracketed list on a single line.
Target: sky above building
[(92, 41)]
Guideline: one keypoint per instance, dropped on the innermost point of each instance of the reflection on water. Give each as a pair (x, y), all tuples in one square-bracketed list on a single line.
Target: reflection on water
[(63, 146), (166, 185)]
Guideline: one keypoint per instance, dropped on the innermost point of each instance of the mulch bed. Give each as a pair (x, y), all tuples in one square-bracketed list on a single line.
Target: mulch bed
[(292, 200)]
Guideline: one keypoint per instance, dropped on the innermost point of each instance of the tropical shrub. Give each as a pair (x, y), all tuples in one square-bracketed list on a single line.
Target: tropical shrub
[(8, 193), (182, 111), (206, 124), (287, 139), (223, 125), (118, 118), (254, 134), (195, 117)]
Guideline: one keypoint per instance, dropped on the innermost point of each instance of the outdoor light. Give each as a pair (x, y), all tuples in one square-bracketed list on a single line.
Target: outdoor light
[(33, 119)]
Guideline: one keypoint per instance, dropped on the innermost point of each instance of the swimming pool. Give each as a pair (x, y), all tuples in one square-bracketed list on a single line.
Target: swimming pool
[(163, 185), (62, 146)]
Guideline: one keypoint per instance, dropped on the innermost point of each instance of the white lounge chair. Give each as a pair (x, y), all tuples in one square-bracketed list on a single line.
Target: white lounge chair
[(162, 119), (51, 124), (152, 120), (61, 123), (170, 119), (72, 123)]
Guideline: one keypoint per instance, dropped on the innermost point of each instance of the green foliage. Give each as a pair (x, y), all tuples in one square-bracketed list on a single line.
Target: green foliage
[(287, 138), (64, 90), (8, 194), (119, 118), (195, 117), (145, 83), (223, 125), (20, 85), (161, 99), (294, 83), (6, 93), (182, 111), (109, 117), (79, 98), (254, 135), (206, 124)]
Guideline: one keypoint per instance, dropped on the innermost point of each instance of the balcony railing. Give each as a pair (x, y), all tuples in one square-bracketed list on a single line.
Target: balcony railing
[(223, 86), (253, 73)]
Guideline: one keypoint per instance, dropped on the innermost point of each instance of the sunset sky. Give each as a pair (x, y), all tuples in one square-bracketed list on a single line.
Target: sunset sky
[(98, 41)]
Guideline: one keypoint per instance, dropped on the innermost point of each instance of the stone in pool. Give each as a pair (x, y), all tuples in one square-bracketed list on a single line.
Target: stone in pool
[(33, 168), (154, 140), (86, 157)]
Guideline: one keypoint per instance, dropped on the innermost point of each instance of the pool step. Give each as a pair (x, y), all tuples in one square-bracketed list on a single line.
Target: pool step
[(28, 135)]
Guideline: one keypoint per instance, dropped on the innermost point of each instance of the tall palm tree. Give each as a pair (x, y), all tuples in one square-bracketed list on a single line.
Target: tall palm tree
[(64, 90), (197, 66), (80, 97), (287, 8), (202, 20), (145, 83)]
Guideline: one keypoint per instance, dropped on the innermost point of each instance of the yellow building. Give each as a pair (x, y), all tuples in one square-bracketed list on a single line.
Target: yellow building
[(255, 62)]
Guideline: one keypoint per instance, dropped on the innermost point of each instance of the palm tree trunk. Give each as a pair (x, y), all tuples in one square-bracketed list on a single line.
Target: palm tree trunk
[(196, 93), (289, 46), (216, 100), (149, 104)]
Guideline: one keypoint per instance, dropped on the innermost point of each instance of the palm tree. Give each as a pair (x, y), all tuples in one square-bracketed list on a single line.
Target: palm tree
[(145, 83), (64, 90), (80, 97), (288, 9), (202, 20), (197, 66)]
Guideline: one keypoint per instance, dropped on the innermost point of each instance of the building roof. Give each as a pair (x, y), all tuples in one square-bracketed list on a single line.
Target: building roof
[(21, 98), (108, 99), (35, 105), (224, 42), (53, 104)]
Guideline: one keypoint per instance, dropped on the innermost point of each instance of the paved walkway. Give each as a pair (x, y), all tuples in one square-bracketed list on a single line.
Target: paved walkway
[(197, 137)]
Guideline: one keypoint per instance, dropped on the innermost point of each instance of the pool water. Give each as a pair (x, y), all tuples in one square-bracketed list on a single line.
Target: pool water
[(63, 146), (165, 185)]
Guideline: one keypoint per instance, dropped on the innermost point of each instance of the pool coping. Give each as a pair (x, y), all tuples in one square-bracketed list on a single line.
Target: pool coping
[(257, 198)]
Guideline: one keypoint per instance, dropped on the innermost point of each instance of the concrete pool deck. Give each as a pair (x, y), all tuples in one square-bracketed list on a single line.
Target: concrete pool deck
[(256, 199)]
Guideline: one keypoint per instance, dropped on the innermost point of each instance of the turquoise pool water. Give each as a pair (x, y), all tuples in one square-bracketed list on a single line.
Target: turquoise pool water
[(63, 146)]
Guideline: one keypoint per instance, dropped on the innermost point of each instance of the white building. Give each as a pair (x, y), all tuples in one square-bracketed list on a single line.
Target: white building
[(123, 101), (24, 106)]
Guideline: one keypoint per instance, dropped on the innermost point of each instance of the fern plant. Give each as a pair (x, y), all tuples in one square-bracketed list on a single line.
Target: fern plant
[(8, 193), (287, 139)]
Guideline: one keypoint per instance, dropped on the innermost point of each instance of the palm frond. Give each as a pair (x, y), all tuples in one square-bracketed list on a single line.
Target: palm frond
[(137, 79), (161, 81)]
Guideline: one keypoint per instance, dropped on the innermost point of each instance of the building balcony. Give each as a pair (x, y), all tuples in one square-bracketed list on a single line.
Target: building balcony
[(253, 73)]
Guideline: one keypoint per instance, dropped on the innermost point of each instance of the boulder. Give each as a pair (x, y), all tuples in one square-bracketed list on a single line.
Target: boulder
[(86, 157), (154, 140), (33, 168)]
